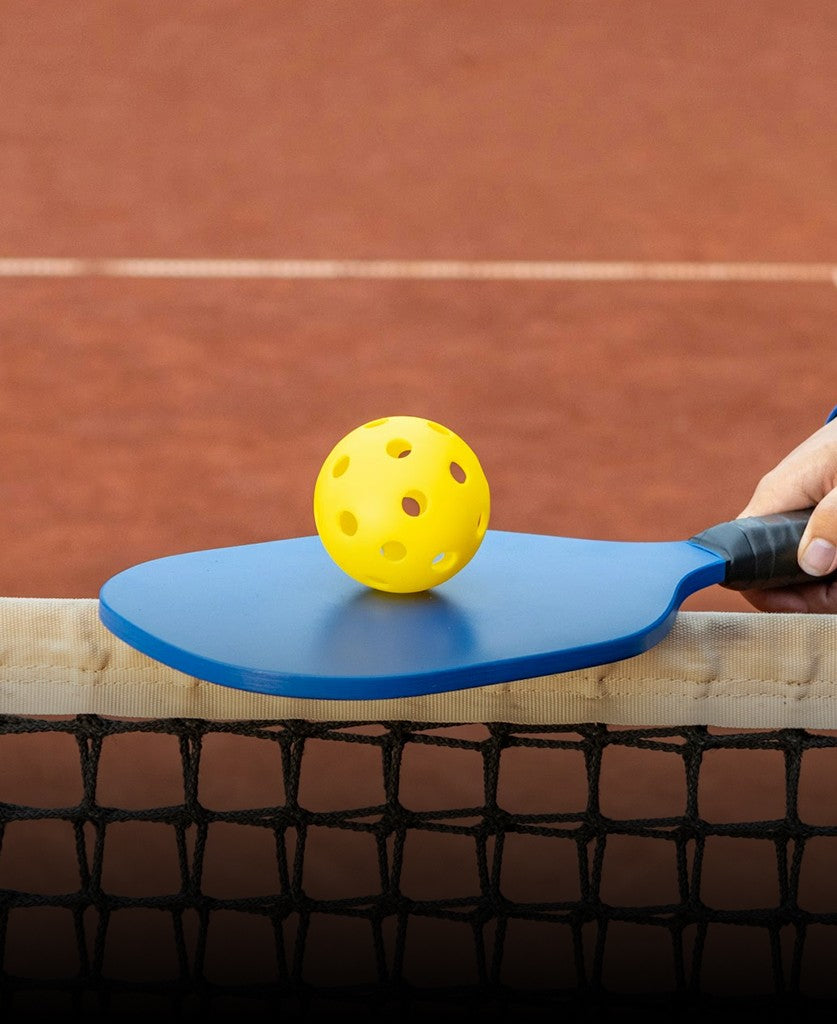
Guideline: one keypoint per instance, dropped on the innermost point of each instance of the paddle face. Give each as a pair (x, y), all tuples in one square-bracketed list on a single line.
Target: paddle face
[(281, 618)]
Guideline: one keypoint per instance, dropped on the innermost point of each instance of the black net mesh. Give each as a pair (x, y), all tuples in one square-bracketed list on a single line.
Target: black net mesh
[(188, 867)]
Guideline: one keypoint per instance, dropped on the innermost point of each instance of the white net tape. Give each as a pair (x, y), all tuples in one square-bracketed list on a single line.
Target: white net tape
[(735, 669)]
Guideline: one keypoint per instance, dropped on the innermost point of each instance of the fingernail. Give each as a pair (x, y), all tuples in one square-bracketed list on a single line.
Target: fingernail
[(818, 558)]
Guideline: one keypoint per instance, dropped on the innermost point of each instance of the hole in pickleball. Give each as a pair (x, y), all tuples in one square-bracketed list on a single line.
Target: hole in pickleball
[(458, 473), (340, 466), (375, 423), (481, 524), (348, 523), (443, 561), (393, 550), (414, 503), (398, 448), (438, 428)]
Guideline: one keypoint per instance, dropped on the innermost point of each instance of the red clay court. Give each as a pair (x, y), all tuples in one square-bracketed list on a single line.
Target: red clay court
[(144, 415)]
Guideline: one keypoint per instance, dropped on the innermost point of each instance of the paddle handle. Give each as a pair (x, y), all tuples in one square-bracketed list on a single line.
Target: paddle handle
[(760, 551)]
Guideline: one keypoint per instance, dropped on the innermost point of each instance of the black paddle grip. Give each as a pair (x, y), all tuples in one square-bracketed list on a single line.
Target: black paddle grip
[(761, 551)]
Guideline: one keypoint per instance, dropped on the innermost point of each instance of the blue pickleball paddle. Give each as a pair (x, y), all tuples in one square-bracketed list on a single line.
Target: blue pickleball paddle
[(281, 618)]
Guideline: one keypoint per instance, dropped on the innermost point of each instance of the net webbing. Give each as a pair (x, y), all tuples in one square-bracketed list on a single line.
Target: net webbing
[(538, 894)]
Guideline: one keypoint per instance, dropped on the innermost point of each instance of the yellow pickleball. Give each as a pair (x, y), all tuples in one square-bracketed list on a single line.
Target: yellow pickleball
[(401, 504)]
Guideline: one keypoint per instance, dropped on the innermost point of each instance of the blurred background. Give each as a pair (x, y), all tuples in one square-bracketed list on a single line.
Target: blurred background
[(146, 415)]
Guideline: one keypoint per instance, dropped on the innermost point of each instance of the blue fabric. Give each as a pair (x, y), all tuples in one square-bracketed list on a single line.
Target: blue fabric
[(832, 415)]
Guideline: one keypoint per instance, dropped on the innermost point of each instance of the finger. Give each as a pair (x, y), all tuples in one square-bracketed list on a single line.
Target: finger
[(783, 599), (818, 545), (801, 479), (811, 598), (791, 485), (781, 490)]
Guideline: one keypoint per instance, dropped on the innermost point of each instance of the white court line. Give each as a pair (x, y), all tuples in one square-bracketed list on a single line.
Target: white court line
[(424, 270)]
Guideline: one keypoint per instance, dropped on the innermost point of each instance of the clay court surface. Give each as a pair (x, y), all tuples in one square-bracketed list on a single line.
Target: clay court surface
[(146, 415)]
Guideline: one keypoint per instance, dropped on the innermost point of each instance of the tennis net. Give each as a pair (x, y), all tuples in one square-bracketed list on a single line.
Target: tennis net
[(655, 833)]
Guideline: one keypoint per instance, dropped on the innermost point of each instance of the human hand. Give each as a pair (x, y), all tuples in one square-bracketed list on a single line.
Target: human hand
[(805, 478)]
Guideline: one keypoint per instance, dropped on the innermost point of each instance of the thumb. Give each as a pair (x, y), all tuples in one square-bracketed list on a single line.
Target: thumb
[(818, 546)]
